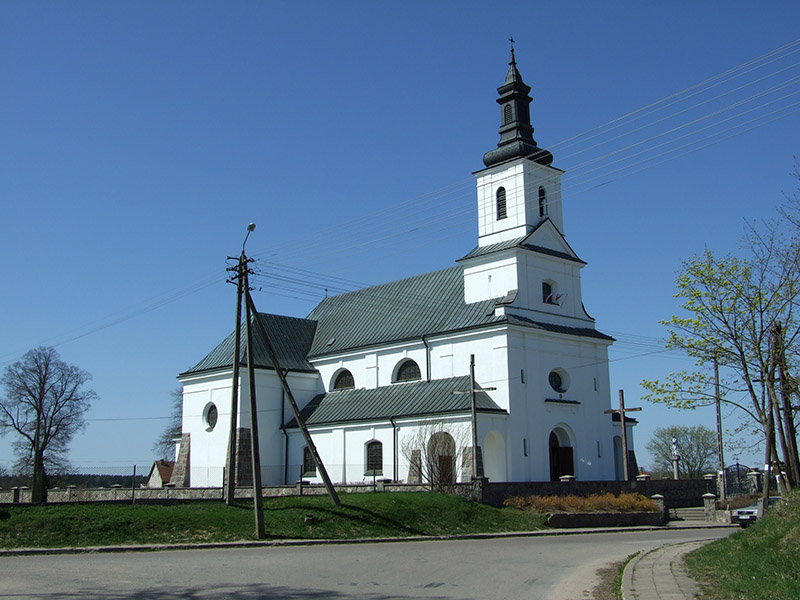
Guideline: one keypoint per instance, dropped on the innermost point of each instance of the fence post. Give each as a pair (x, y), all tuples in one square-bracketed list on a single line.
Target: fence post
[(709, 506), (133, 486)]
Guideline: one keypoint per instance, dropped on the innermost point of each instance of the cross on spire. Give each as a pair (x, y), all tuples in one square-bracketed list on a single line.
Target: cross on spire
[(513, 59)]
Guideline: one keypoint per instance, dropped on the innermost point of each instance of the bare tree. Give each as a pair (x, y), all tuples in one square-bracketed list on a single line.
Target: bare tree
[(434, 451), (45, 404), (164, 446)]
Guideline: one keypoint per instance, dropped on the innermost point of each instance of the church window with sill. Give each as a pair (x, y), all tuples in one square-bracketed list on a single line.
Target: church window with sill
[(549, 295), (374, 458), (344, 381), (501, 203), (309, 465), (542, 202), (408, 371)]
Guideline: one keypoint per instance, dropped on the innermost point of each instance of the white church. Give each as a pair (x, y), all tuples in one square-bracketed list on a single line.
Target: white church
[(382, 374)]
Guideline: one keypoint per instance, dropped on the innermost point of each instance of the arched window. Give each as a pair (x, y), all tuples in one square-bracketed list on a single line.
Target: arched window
[(542, 202), (374, 458), (508, 115), (501, 203), (344, 381), (309, 465), (408, 371)]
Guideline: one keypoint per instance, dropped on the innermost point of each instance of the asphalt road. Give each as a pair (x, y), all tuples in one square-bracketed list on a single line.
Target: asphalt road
[(558, 567)]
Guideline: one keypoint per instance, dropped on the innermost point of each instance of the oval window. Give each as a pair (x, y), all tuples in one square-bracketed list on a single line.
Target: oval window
[(210, 415), (558, 380)]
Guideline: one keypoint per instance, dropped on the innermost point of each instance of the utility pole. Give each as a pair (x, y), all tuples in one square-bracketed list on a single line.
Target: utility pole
[(474, 406), (251, 307), (230, 485), (723, 484), (621, 412), (473, 389), (258, 501)]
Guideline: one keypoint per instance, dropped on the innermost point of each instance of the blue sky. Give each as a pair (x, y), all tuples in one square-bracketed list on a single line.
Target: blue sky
[(139, 139)]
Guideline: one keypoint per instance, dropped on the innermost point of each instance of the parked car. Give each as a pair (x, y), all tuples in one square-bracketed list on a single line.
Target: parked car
[(749, 514)]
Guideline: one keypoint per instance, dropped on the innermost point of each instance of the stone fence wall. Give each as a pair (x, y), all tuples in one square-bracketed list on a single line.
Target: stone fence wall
[(677, 494), (166, 494)]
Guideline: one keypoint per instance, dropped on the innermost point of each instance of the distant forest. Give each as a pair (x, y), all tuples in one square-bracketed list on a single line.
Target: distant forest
[(81, 481)]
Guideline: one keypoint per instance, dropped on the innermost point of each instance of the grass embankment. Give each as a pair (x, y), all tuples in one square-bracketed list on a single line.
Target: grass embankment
[(360, 515), (760, 562)]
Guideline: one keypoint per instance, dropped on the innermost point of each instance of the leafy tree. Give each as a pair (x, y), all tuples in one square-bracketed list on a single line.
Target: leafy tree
[(742, 314), (164, 446), (45, 404), (697, 449)]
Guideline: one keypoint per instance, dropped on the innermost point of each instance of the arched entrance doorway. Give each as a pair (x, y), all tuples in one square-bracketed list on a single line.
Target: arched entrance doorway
[(441, 459), (494, 457), (561, 460)]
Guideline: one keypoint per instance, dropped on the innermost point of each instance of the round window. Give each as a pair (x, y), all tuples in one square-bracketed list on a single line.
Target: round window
[(210, 415), (558, 380)]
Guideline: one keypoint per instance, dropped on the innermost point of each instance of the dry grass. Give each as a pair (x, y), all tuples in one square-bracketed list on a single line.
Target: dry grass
[(602, 502)]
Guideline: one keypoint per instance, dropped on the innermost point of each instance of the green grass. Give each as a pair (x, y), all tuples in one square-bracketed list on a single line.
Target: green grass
[(760, 562), (621, 574), (360, 515)]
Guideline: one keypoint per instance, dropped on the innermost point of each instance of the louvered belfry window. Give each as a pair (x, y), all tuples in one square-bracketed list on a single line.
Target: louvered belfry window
[(508, 114), (501, 203), (542, 202)]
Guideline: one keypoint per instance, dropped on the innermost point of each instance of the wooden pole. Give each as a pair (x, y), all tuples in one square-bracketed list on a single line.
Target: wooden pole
[(258, 501), (621, 412), (251, 307), (474, 416), (722, 479), (625, 466), (230, 486)]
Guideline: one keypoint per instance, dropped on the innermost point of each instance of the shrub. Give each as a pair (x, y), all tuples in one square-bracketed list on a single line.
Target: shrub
[(602, 502)]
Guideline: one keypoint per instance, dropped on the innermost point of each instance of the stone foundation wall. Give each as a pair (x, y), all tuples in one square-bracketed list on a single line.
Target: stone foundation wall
[(567, 520), (121, 494), (677, 494)]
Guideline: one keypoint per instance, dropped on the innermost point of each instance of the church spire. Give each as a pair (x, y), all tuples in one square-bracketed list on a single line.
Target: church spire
[(516, 131)]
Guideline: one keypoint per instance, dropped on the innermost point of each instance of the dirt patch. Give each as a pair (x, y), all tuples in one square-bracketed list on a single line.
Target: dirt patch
[(605, 590)]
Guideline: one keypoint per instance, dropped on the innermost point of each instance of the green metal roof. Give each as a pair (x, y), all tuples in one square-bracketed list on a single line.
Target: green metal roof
[(400, 310), (398, 400), (407, 309), (291, 338), (519, 243), (582, 331)]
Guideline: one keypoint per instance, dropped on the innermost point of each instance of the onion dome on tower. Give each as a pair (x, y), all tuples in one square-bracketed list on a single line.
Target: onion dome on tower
[(516, 131)]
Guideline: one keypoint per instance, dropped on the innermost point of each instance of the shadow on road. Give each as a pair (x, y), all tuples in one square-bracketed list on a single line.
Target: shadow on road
[(258, 591)]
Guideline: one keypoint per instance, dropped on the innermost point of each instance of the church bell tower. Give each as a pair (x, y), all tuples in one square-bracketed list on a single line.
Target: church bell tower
[(519, 188)]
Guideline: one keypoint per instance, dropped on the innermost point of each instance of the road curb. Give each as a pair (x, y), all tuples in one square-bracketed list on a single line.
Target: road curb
[(324, 542)]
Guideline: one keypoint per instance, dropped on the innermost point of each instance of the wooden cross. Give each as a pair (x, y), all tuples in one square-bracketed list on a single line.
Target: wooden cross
[(621, 412)]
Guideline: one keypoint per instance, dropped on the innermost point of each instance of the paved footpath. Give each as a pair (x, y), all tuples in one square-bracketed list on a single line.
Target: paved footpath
[(660, 575)]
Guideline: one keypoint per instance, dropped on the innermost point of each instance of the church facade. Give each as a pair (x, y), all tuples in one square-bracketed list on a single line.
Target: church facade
[(383, 375)]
